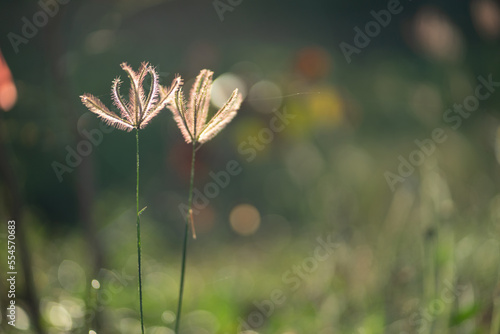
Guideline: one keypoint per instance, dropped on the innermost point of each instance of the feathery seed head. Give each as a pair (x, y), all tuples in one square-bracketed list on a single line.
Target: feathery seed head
[(191, 117), (140, 107)]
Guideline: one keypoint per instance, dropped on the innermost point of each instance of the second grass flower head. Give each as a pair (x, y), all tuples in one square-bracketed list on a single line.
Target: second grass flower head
[(191, 116)]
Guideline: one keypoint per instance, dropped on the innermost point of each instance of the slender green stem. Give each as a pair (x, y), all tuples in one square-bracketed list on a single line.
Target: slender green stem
[(495, 318), (186, 232), (139, 234)]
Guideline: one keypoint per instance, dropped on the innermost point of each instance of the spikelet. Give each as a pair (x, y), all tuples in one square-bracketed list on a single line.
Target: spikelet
[(178, 108), (201, 101), (222, 118), (97, 107), (139, 109), (160, 102), (118, 99)]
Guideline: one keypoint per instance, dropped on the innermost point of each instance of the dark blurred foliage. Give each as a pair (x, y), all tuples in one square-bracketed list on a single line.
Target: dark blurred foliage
[(79, 50), (323, 173)]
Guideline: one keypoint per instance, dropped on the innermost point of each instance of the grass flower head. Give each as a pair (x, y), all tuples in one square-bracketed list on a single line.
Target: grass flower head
[(141, 107), (191, 116)]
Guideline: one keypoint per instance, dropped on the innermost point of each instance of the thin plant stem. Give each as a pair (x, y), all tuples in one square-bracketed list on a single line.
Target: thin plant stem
[(184, 248), (139, 234), (495, 318)]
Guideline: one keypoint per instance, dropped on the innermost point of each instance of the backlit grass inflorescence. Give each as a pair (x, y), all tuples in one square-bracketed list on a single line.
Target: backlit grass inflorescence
[(140, 108), (191, 117)]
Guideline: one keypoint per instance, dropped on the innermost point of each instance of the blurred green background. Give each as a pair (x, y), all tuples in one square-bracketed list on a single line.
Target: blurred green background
[(420, 256)]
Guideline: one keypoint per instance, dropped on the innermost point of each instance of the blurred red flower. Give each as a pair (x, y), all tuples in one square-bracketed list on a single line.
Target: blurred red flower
[(8, 91)]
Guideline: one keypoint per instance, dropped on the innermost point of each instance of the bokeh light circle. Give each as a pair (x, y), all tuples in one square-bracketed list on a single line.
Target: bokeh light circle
[(265, 96), (223, 86), (245, 219)]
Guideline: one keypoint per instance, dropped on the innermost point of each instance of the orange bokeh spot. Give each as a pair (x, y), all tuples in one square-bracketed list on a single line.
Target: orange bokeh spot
[(313, 63), (244, 219), (8, 91)]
